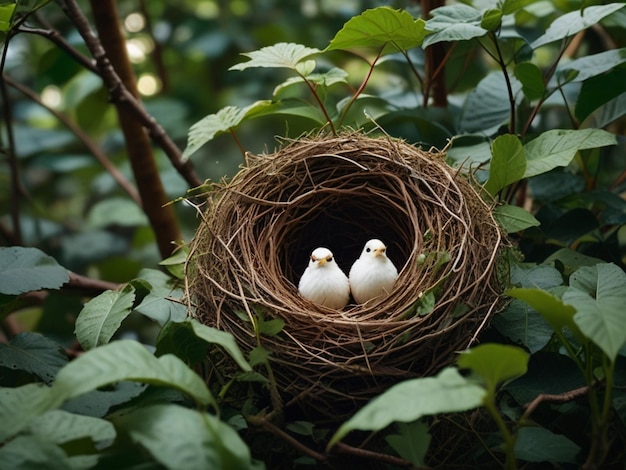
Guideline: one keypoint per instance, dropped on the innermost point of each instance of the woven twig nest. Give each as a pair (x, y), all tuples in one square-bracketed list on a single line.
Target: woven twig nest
[(259, 229)]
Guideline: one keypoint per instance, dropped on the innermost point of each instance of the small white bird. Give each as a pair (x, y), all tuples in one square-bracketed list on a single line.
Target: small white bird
[(323, 282), (373, 274)]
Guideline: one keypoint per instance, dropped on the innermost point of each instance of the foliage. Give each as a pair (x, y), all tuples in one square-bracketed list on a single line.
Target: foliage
[(100, 353)]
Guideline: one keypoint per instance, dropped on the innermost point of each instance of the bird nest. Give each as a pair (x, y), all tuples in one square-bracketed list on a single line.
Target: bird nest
[(259, 229)]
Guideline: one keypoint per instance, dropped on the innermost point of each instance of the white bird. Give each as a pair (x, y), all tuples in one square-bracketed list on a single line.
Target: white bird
[(323, 282), (373, 274)]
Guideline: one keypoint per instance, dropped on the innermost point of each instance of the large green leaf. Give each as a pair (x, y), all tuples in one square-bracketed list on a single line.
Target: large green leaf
[(29, 269), (558, 147), (495, 363), (163, 302), (411, 442), (380, 28), (59, 426), (508, 163), (179, 438), (213, 125), (35, 354), (541, 445), (191, 339), (599, 295), (592, 65), (408, 401), (6, 13), (32, 453), (487, 106), (513, 218), (280, 55), (102, 316), (20, 405), (453, 23), (128, 360), (555, 311), (531, 78), (571, 23), (598, 91)]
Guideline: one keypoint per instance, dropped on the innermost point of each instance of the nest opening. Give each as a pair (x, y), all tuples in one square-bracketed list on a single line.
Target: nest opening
[(339, 192)]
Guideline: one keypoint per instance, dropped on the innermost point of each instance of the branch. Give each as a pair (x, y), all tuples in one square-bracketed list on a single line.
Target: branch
[(83, 137), (554, 398), (368, 454), (120, 94)]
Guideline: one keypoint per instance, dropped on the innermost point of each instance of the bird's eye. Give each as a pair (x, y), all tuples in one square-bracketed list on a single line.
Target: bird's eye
[(329, 259), (368, 249)]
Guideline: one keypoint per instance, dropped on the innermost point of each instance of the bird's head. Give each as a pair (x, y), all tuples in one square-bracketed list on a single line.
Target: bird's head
[(374, 248), (320, 257)]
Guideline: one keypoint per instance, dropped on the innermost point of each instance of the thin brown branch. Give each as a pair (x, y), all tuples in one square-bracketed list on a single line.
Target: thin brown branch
[(371, 455), (89, 285), (120, 94), (263, 423), (83, 137), (554, 398)]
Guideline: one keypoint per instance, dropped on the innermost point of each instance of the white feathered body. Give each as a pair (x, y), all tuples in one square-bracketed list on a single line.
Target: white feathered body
[(373, 274), (323, 282)]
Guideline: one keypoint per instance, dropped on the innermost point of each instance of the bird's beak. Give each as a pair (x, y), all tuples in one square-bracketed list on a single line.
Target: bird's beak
[(322, 261), (379, 251)]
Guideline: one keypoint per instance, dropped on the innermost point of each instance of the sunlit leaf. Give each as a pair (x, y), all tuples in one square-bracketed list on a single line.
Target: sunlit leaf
[(6, 13), (558, 147), (178, 438), (598, 295), (127, 360), (571, 23), (102, 316), (29, 269), (213, 125), (380, 28), (281, 55), (410, 400), (491, 20), (33, 353), (513, 218), (511, 6), (453, 23), (508, 163), (163, 302), (495, 363)]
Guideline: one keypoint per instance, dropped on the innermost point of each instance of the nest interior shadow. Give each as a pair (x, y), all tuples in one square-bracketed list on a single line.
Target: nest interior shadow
[(259, 229)]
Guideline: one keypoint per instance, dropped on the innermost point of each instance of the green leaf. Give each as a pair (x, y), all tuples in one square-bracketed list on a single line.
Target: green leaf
[(281, 55), (259, 355), (29, 269), (380, 28), (326, 79), (558, 147), (213, 125), (270, 327), (557, 313), (598, 294), (20, 405), (411, 443), (598, 91), (514, 219), (571, 23), (179, 438), (569, 260), (495, 363), (531, 78), (59, 427), (541, 445), (452, 23), (592, 65), (6, 13), (163, 302), (172, 341), (511, 6), (116, 212), (487, 106), (128, 360), (175, 264), (35, 354), (102, 316), (30, 453), (408, 401), (491, 20), (508, 163)]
